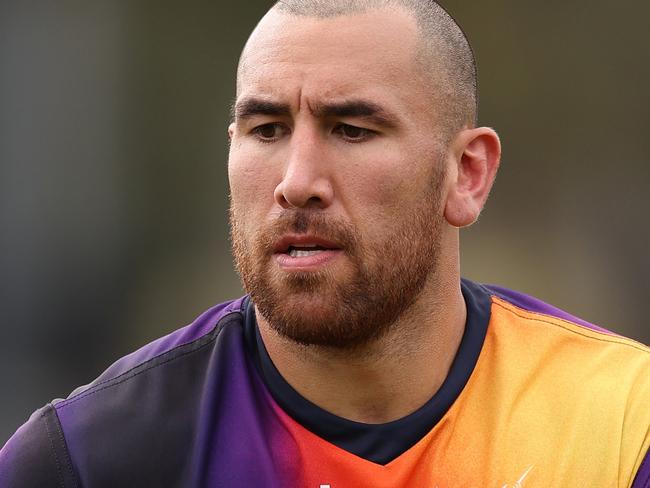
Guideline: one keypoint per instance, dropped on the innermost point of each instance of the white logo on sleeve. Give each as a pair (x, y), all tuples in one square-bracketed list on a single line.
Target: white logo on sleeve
[(517, 484), (520, 482)]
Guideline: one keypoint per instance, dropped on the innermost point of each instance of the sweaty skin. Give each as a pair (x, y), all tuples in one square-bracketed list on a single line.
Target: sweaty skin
[(381, 175)]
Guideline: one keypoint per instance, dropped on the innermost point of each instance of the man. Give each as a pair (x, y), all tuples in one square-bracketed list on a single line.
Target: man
[(359, 357)]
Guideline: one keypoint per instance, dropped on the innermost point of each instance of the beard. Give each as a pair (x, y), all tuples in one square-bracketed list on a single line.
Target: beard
[(340, 308)]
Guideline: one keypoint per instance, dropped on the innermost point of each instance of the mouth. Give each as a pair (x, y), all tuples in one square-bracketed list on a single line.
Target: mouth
[(300, 245), (305, 252)]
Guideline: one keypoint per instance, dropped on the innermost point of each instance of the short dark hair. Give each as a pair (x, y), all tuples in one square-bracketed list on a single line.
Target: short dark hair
[(443, 45)]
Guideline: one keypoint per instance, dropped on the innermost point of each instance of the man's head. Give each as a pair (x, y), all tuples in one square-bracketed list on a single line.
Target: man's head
[(353, 132)]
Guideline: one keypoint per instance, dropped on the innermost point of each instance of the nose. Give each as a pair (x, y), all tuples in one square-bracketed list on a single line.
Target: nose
[(306, 182)]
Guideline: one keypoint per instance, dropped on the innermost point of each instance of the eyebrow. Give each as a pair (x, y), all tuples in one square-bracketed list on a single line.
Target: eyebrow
[(364, 109), (357, 108), (250, 107)]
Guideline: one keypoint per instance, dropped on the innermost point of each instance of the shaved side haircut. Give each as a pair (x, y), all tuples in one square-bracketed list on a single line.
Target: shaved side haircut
[(444, 53)]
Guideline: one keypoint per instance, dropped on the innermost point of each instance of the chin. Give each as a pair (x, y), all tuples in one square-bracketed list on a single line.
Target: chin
[(309, 299), (308, 316)]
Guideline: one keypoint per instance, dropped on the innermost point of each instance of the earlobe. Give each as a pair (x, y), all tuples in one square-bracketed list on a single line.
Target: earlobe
[(476, 154)]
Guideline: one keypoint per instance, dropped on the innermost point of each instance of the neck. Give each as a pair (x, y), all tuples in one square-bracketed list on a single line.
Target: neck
[(388, 378)]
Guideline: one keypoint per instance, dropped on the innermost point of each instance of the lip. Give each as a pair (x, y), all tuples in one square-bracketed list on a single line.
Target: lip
[(325, 256), (282, 246), (307, 263)]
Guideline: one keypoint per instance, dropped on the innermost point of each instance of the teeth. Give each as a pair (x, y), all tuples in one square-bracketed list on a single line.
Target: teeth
[(298, 253)]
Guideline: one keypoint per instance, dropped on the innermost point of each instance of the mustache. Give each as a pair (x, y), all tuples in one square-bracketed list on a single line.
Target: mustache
[(298, 221)]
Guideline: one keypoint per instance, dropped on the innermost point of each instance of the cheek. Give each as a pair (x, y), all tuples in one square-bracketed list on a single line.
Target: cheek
[(373, 201), (387, 181), (388, 189), (251, 184)]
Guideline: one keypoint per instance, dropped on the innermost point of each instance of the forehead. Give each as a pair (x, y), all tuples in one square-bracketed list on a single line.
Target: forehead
[(371, 54)]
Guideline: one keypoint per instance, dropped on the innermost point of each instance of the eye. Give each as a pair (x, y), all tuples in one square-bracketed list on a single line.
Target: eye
[(352, 133), (269, 132)]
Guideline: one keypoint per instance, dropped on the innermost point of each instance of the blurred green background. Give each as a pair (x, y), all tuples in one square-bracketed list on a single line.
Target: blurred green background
[(113, 188)]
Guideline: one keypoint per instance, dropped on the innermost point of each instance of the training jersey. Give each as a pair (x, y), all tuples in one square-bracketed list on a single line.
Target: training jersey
[(534, 398)]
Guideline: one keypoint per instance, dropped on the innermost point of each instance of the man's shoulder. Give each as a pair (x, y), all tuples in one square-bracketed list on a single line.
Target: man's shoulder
[(142, 404), (160, 375), (204, 329), (536, 321), (533, 343), (36, 454), (570, 385)]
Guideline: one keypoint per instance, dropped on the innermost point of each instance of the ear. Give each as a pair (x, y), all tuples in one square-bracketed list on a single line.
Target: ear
[(475, 156), (231, 131)]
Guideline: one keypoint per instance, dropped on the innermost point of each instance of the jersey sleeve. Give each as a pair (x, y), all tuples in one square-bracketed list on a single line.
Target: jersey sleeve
[(636, 429), (36, 455)]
